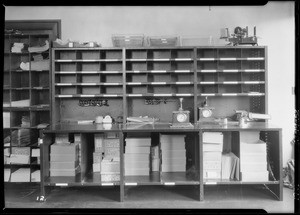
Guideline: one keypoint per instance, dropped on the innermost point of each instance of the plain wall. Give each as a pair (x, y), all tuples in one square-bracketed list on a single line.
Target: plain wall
[(274, 23)]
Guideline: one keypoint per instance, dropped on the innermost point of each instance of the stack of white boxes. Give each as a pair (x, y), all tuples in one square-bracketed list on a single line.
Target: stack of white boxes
[(110, 164), (253, 157), (137, 156), (173, 153), (64, 157), (212, 154), (98, 152)]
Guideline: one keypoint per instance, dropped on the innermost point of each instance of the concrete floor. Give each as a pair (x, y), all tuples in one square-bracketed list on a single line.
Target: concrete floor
[(159, 197)]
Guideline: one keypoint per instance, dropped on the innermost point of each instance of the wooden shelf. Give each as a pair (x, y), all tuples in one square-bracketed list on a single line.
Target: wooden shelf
[(32, 85), (235, 182)]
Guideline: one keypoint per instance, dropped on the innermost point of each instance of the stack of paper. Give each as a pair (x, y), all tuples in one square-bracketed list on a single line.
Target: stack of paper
[(36, 176), (253, 157), (230, 166), (173, 153), (212, 154), (20, 175), (64, 159), (137, 156), (6, 174), (6, 119), (155, 161)]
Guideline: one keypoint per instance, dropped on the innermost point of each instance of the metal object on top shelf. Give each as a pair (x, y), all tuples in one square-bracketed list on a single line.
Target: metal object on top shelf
[(240, 36), (245, 116)]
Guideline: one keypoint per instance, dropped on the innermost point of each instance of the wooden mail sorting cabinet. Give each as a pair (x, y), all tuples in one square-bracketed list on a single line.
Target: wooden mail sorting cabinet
[(234, 78), (157, 155)]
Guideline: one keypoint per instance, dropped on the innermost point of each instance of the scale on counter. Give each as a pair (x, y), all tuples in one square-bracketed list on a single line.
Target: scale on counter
[(206, 112), (181, 118)]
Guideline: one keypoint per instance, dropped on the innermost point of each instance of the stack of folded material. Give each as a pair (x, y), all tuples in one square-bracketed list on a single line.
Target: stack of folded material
[(212, 155), (64, 159), (137, 156), (253, 157), (38, 57), (17, 47), (25, 122), (173, 153), (35, 65), (20, 137), (39, 49)]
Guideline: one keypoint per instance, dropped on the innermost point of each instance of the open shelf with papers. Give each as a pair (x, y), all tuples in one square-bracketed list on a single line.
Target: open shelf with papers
[(26, 91)]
